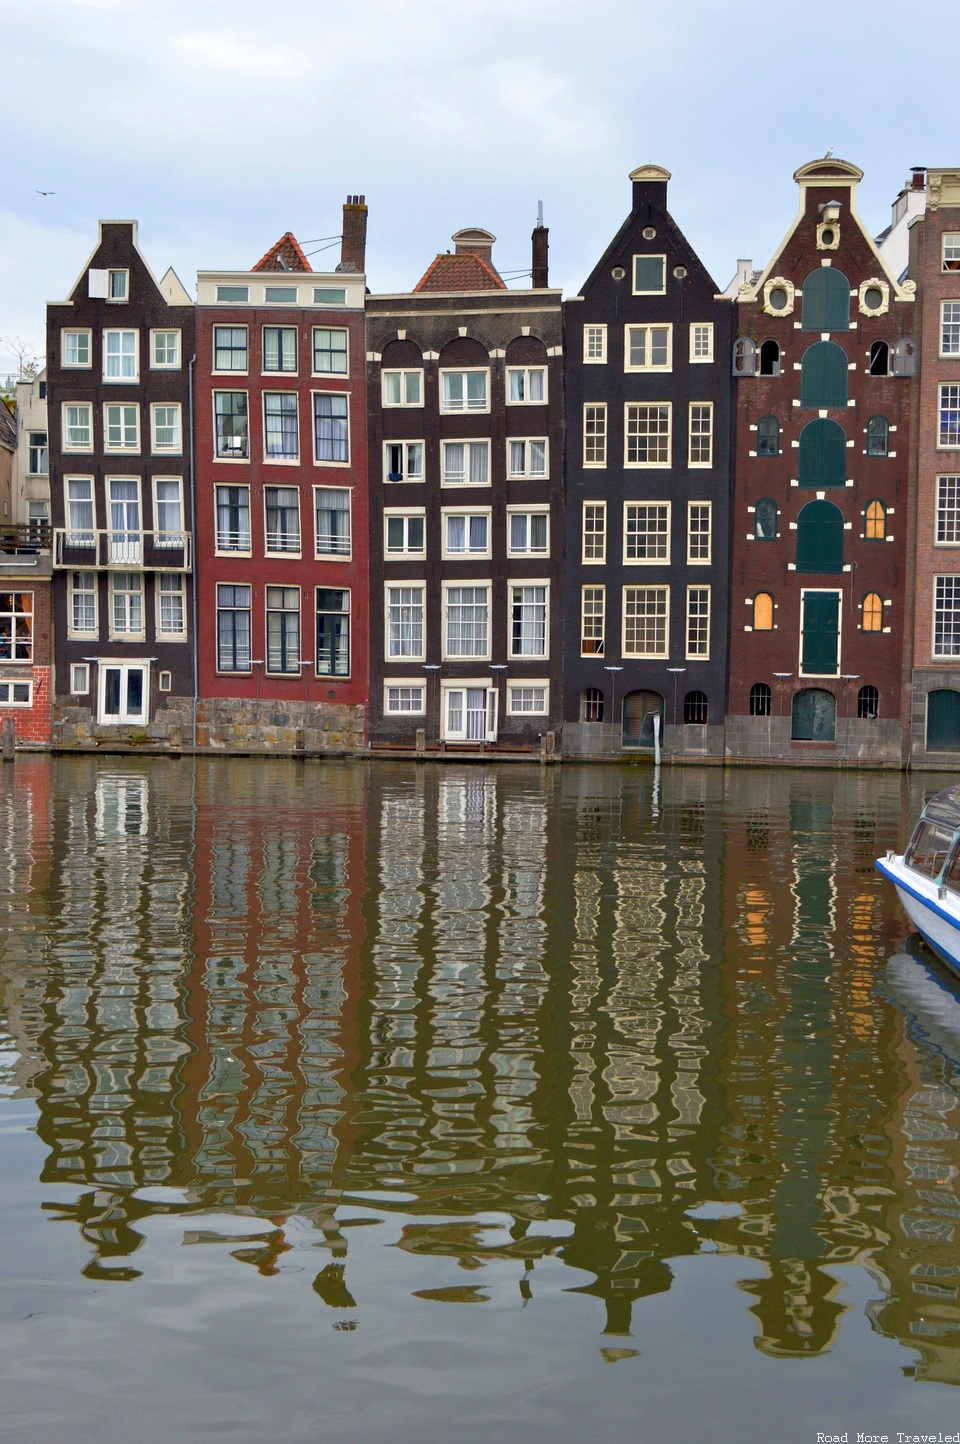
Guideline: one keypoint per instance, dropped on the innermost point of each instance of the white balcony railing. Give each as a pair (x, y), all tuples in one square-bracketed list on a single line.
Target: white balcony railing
[(110, 549)]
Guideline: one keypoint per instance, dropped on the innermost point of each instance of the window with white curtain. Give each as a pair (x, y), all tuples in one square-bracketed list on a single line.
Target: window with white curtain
[(466, 534), (464, 390), (333, 521), (528, 533), (526, 385), (466, 463), (405, 621), (467, 621), (528, 620), (527, 457)]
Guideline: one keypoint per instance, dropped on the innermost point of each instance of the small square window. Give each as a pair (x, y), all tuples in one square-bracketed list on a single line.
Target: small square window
[(166, 681), (75, 348), (649, 275), (79, 679)]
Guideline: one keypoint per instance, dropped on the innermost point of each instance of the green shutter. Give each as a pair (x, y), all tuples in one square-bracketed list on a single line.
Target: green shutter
[(826, 300), (648, 274), (823, 375), (821, 633), (823, 454), (814, 717), (820, 538), (943, 720)]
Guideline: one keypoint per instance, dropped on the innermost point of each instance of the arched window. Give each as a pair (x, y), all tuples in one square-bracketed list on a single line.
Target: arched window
[(878, 436), (823, 453), (879, 359), (765, 519), (760, 700), (768, 436), (591, 705), (763, 612), (868, 703), (820, 538), (814, 716), (769, 359), (904, 357), (823, 375), (826, 300), (876, 519), (872, 613), (744, 357), (695, 708)]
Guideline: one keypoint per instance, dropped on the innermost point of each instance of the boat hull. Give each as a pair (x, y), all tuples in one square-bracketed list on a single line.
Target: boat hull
[(936, 918)]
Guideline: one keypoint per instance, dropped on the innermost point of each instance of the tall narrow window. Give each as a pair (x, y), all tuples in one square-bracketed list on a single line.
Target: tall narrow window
[(333, 632), (230, 348), (127, 610), (763, 612), (905, 357), (333, 521), (283, 630), (528, 626), (282, 508), (879, 358), (949, 426), (878, 436), (404, 622), (769, 358), (233, 433), (332, 427), (120, 355), (701, 433), (594, 343), (591, 705), (946, 616), (695, 709), (233, 518), (79, 511), (950, 328), (868, 703), (281, 431), (592, 608), (872, 613), (760, 699), (594, 531), (765, 519), (768, 436), (83, 603), (467, 621), (876, 521), (169, 512), (595, 434), (233, 628), (948, 510), (701, 341), (699, 514), (171, 605), (698, 622), (280, 348), (78, 427), (744, 357)]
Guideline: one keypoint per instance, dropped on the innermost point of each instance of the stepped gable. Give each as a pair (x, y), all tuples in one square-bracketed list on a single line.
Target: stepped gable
[(285, 256)]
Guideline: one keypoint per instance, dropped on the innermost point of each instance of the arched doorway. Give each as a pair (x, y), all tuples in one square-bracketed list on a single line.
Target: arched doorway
[(814, 716), (639, 710), (943, 720)]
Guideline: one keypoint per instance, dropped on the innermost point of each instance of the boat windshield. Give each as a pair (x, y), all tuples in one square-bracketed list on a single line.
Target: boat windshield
[(929, 848), (952, 875)]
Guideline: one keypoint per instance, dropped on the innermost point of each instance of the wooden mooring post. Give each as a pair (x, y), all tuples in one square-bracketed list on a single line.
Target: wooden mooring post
[(9, 739)]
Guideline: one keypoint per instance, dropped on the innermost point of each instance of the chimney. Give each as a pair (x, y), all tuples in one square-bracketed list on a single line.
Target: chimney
[(918, 177), (473, 241), (539, 241), (353, 242)]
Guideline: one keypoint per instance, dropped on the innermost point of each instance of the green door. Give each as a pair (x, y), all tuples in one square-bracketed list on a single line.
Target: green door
[(823, 454), (814, 717), (823, 375), (820, 538), (826, 300), (821, 634), (943, 720)]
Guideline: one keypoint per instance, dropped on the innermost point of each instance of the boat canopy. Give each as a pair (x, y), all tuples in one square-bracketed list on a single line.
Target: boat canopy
[(944, 808)]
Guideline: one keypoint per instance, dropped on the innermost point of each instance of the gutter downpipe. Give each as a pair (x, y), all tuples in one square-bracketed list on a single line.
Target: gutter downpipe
[(193, 525)]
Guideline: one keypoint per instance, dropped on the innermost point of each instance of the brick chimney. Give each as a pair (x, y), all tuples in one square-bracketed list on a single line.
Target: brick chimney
[(353, 242), (538, 275)]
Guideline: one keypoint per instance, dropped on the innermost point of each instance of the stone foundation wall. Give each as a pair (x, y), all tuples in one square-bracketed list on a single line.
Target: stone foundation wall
[(242, 724), (868, 742)]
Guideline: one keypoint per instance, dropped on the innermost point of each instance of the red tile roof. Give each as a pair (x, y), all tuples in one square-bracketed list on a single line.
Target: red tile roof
[(289, 250), (463, 272)]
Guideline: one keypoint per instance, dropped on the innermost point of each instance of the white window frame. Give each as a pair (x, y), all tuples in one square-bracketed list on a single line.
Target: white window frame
[(163, 581), (947, 513), (283, 392), (283, 551), (528, 512), (698, 653), (333, 556), (233, 608), (412, 584), (464, 408), (163, 536), (590, 442), (342, 639), (476, 584), (77, 331), (702, 406), (647, 327), (593, 561), (283, 610), (341, 331), (954, 580), (523, 685), (954, 323), (128, 634), (401, 684), (79, 679), (648, 256), (243, 370), (950, 243), (347, 419), (406, 514), (279, 370), (527, 443), (15, 640), (664, 538), (120, 379), (513, 585), (595, 344), (404, 373), (75, 446), (943, 387), (155, 334), (467, 442), (230, 457), (694, 560), (175, 448), (8, 686), (658, 465), (448, 512), (92, 592), (707, 328), (654, 590), (38, 454), (118, 294), (87, 535), (595, 588), (491, 708), (126, 448), (404, 476), (525, 372), (123, 718)]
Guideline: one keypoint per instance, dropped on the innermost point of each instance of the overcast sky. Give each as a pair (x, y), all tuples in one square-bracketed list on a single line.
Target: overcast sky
[(221, 125)]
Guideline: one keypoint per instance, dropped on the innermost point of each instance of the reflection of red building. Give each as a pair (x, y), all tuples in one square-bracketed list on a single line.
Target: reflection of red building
[(282, 500), (25, 634)]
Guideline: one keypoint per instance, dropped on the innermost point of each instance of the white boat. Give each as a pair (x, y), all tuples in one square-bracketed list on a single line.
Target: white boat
[(927, 876)]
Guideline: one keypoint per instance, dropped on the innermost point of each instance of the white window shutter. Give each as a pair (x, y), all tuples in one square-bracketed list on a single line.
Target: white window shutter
[(98, 284)]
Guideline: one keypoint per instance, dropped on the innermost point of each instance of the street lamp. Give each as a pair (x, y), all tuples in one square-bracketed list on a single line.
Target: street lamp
[(676, 678), (782, 678), (613, 698)]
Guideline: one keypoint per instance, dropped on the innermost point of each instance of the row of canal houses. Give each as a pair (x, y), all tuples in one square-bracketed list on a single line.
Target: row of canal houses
[(295, 515)]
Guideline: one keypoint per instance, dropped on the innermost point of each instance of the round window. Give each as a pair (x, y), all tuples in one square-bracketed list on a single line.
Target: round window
[(618, 273), (778, 299), (873, 298), (827, 237), (679, 272), (648, 233)]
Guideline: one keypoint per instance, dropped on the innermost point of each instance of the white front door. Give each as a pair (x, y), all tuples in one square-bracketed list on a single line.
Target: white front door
[(470, 714), (123, 691)]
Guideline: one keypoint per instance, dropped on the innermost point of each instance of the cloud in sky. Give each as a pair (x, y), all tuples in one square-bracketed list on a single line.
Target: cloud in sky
[(220, 125)]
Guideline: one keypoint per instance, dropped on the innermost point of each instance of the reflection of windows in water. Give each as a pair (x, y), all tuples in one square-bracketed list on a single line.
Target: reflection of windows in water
[(230, 874), (864, 826), (692, 822), (758, 831), (121, 806), (278, 885)]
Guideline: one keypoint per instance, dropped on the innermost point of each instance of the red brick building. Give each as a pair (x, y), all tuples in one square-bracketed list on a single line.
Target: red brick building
[(935, 267), (281, 479), (819, 585)]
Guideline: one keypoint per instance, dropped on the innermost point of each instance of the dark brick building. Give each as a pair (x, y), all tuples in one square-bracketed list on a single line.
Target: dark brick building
[(118, 358), (647, 486), (465, 384), (822, 369)]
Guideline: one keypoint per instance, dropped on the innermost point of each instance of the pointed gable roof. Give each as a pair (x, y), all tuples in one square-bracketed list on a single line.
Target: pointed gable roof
[(462, 272), (286, 255)]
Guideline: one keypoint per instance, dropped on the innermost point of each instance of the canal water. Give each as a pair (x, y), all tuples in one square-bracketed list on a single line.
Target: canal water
[(485, 1103)]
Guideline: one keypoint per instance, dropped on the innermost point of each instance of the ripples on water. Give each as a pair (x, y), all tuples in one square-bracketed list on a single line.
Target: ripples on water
[(313, 1054)]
